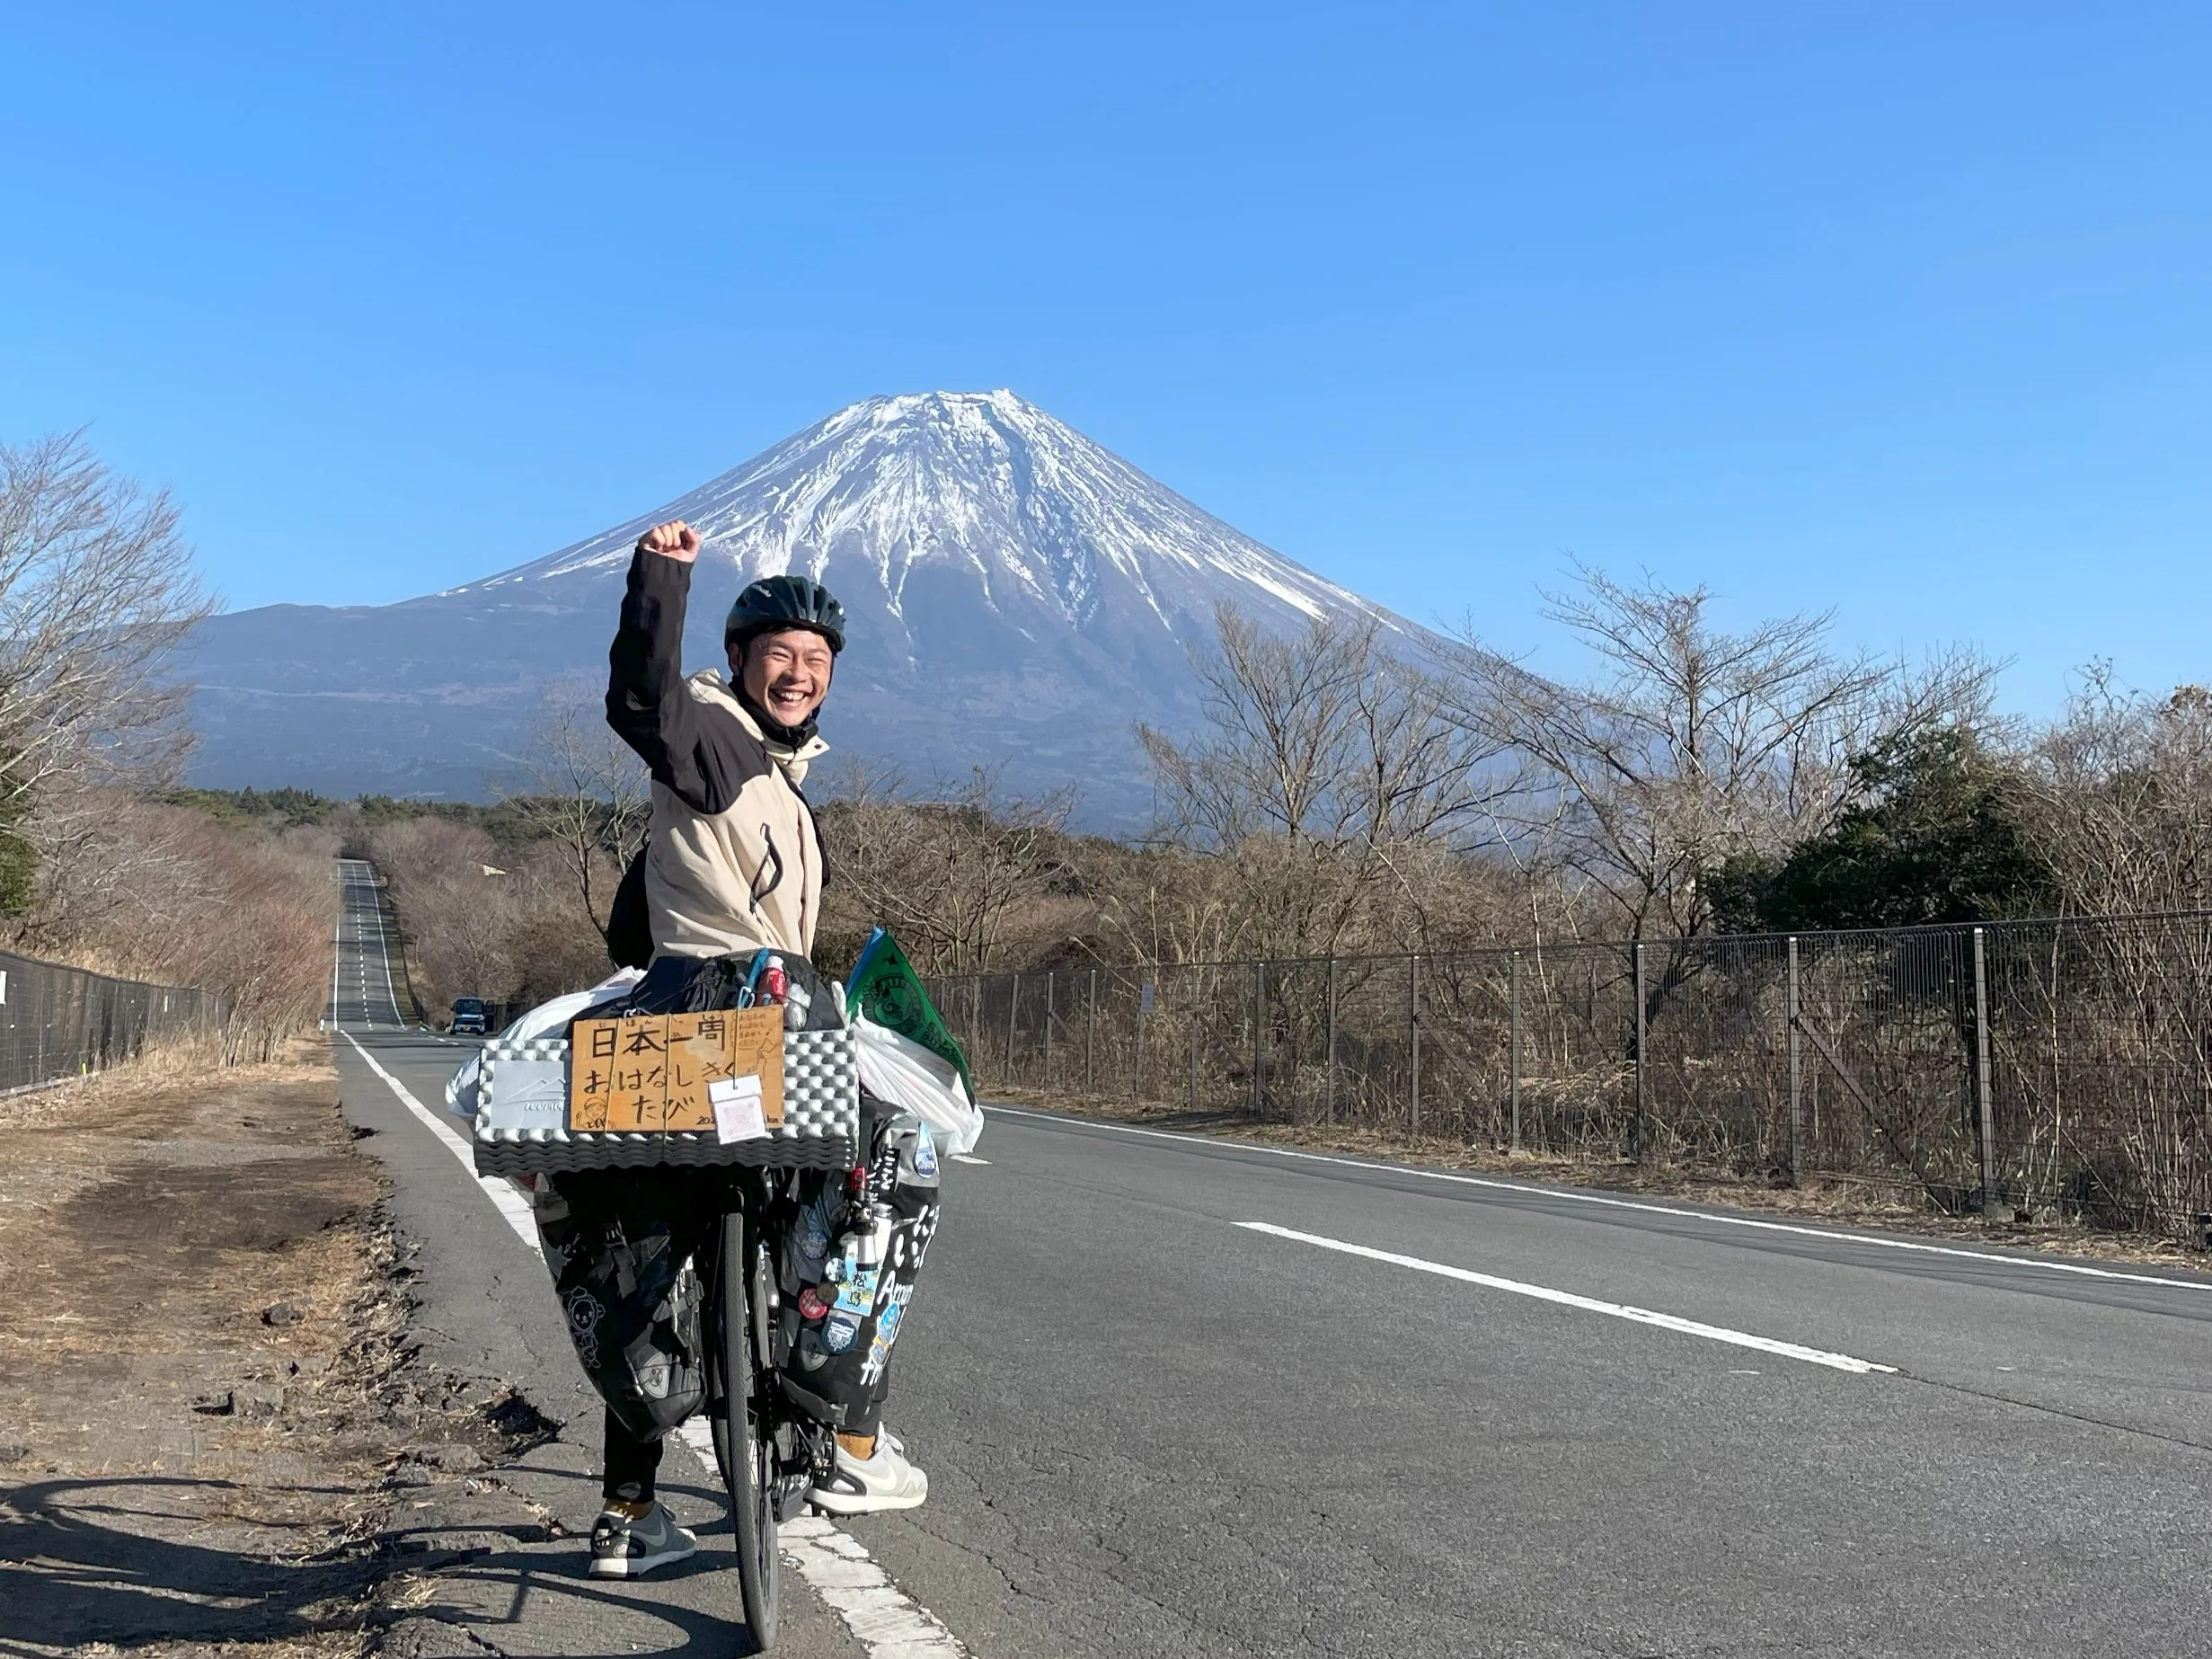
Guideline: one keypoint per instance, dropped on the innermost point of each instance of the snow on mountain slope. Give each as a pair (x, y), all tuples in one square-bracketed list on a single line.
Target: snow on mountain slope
[(1017, 599), (983, 482)]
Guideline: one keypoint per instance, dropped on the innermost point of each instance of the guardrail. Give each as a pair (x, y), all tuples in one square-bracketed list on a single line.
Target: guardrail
[(2037, 1067), (59, 1022)]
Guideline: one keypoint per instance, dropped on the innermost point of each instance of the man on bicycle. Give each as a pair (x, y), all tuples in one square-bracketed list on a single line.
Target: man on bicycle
[(734, 867)]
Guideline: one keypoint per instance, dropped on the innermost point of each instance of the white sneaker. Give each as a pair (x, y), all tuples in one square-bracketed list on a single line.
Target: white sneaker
[(626, 1546), (862, 1486)]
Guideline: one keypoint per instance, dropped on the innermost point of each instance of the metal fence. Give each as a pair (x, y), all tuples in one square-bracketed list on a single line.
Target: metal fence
[(57, 1022), (2043, 1069)]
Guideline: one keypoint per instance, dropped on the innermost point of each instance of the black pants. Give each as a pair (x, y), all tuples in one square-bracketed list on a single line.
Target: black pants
[(617, 1242)]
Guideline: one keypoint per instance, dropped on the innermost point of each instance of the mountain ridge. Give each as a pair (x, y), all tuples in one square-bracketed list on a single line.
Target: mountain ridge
[(1018, 596)]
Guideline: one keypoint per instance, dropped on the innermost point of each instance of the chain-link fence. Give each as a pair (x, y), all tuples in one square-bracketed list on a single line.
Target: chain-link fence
[(2049, 1068), (59, 1022)]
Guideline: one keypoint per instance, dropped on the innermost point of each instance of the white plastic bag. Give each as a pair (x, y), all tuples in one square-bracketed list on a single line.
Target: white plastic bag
[(543, 1020), (900, 1070)]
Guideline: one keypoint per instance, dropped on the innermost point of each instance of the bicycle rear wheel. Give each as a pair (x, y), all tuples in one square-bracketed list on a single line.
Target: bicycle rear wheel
[(741, 1445)]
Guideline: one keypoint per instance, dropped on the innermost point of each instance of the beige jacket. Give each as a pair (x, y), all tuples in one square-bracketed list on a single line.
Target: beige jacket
[(745, 878), (735, 864)]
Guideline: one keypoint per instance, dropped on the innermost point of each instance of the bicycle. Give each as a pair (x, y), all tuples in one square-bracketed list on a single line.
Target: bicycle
[(539, 1113), (769, 1453)]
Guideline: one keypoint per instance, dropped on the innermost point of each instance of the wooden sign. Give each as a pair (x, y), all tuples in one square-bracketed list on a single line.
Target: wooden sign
[(617, 1075), (703, 1048), (652, 1072)]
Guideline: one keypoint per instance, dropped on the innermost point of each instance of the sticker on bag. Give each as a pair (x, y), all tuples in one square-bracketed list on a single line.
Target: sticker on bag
[(857, 1294), (886, 1333)]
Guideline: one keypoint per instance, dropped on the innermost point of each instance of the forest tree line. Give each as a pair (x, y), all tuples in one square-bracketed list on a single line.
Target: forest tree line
[(102, 863), (1350, 789), (1354, 792)]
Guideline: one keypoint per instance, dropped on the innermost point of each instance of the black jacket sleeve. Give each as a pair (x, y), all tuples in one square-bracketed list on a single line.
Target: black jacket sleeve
[(698, 751), (628, 920)]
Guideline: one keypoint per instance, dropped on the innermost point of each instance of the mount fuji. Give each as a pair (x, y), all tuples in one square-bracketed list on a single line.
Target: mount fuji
[(1017, 596)]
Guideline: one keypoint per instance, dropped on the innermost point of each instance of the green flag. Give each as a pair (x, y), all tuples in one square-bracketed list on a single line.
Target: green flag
[(885, 987)]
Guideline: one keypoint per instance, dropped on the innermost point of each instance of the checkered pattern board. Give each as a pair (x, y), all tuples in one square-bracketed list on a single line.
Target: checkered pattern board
[(821, 1084), (522, 1112)]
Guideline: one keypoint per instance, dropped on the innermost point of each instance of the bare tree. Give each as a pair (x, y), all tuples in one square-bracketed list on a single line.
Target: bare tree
[(167, 893), (456, 922), (96, 591), (1330, 781), (2119, 798), (1693, 745), (586, 792), (955, 878)]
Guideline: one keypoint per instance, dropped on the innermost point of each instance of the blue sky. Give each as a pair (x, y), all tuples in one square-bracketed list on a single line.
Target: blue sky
[(1900, 309)]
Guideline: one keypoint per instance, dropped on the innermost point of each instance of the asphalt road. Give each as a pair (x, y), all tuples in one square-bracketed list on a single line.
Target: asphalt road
[(363, 996), (1525, 1421)]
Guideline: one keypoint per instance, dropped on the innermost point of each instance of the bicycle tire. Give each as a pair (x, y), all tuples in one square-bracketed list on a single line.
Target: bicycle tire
[(746, 1458)]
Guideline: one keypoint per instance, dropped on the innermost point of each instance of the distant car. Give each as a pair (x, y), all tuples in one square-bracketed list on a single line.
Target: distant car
[(472, 1017)]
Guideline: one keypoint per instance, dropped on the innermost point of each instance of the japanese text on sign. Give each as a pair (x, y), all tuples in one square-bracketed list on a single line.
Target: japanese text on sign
[(651, 1073)]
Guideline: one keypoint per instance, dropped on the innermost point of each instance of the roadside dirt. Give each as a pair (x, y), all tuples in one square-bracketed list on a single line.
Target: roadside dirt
[(1841, 1204), (215, 1436)]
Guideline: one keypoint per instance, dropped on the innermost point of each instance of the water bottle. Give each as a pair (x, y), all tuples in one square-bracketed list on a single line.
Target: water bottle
[(871, 1247)]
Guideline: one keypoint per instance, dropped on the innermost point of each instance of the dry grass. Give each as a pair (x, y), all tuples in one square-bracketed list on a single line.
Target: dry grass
[(195, 1059), (328, 1644), (150, 1215), (155, 1428), (182, 1474)]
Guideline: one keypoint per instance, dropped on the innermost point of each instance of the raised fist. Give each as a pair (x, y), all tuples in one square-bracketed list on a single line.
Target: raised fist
[(673, 540)]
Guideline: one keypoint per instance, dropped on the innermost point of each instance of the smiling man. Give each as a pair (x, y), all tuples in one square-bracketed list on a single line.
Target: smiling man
[(734, 867), (718, 879)]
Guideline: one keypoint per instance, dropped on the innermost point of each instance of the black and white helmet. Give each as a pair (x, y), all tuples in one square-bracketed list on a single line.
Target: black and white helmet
[(785, 602)]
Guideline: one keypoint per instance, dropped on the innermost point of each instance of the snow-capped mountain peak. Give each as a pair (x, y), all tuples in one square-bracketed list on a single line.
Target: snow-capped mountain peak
[(1016, 599), (1044, 523)]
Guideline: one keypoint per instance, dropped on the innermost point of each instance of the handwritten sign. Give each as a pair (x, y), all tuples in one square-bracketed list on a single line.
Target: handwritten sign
[(651, 1073), (759, 1037), (700, 1055)]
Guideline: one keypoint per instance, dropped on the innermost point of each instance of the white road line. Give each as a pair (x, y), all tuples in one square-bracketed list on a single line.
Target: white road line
[(1825, 1235), (337, 930), (384, 952), (1588, 1304), (357, 880), (881, 1616), (962, 1158), (882, 1619), (501, 1192)]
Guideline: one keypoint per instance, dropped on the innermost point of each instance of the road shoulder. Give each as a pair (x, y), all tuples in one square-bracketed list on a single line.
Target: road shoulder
[(214, 1401)]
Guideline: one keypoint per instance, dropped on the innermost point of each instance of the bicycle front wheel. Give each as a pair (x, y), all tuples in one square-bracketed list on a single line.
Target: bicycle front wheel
[(741, 1445)]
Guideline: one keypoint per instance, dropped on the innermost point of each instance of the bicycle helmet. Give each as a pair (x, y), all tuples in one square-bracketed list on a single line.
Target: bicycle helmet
[(785, 602)]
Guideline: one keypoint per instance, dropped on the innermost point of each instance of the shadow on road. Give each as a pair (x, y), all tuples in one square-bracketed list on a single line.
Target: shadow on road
[(146, 1559)]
